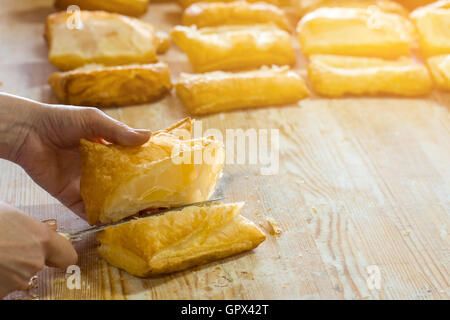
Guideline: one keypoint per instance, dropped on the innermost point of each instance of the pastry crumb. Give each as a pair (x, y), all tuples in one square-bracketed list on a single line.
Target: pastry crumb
[(275, 228), (256, 211), (314, 209)]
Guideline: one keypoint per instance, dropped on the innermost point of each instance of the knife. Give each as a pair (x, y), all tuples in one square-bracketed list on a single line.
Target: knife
[(81, 233)]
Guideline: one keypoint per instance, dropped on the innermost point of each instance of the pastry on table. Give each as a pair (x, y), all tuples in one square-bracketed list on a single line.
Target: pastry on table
[(355, 32), (179, 240), (211, 14), (100, 86), (335, 76), (433, 26), (440, 71), (384, 5), (234, 47), (101, 38), (221, 91), (127, 7), (169, 170)]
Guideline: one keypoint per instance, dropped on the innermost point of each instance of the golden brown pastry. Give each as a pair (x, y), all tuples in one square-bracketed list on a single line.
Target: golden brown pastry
[(103, 38), (212, 14), (171, 169), (433, 26), (334, 76), (100, 86), (222, 91), (355, 32), (127, 7), (440, 70), (179, 240), (234, 47)]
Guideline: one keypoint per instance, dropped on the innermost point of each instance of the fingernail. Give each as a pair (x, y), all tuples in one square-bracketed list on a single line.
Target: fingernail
[(143, 131)]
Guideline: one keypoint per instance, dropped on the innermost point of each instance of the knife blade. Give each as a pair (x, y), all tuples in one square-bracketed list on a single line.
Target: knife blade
[(81, 233)]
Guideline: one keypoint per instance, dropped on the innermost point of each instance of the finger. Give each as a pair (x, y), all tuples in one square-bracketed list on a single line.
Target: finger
[(101, 125), (60, 252)]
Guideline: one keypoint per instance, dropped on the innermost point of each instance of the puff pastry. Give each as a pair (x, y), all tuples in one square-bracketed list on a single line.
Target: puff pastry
[(167, 171), (356, 32), (234, 47), (104, 38), (335, 76), (440, 70), (222, 91), (128, 7), (100, 86), (179, 240), (211, 14), (433, 26)]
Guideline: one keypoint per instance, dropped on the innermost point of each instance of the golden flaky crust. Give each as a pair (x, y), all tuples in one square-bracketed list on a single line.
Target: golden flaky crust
[(433, 26), (100, 86), (221, 91), (440, 70), (355, 32), (127, 7), (179, 240), (335, 76), (234, 47), (117, 181), (102, 38), (211, 14)]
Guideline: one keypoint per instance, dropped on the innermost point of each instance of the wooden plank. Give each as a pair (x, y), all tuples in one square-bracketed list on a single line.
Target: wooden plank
[(362, 181)]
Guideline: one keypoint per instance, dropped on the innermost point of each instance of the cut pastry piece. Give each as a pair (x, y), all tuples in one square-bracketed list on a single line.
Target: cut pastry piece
[(433, 25), (234, 47), (222, 91), (278, 3), (384, 5), (171, 169), (335, 76), (100, 86), (211, 14), (101, 38), (440, 70), (178, 240), (128, 7), (355, 32)]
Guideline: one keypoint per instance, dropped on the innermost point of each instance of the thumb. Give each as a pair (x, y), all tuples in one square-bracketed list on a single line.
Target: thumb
[(101, 125)]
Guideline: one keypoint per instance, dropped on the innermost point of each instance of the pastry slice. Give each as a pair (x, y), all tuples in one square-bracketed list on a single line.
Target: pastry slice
[(178, 240), (355, 32), (171, 169), (101, 38), (221, 91), (100, 86), (127, 7), (211, 14), (335, 76), (234, 47), (440, 71), (433, 26)]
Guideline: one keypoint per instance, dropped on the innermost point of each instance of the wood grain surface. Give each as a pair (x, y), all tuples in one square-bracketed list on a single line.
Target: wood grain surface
[(362, 182)]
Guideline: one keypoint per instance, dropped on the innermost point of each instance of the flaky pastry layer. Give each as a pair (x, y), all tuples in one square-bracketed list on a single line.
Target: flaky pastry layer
[(178, 240), (440, 70)]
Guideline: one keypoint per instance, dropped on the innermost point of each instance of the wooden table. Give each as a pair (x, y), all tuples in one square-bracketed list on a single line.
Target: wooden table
[(362, 182)]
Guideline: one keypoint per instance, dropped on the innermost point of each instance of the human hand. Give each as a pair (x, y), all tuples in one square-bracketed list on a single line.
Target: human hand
[(26, 246), (44, 139)]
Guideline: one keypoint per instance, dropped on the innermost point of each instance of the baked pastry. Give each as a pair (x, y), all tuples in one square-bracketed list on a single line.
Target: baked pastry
[(334, 76), (99, 86), (171, 169), (440, 71), (234, 47), (384, 5), (102, 38), (127, 7), (433, 26), (356, 32), (211, 14), (179, 240), (222, 91)]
